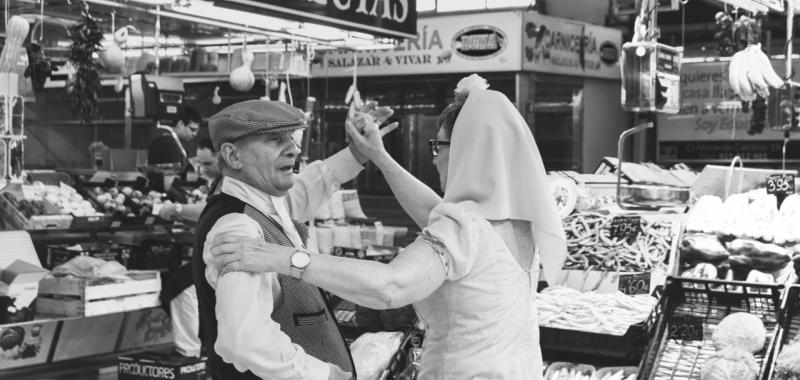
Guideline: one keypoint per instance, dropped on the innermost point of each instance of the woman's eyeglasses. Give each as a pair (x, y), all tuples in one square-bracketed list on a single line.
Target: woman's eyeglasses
[(435, 145)]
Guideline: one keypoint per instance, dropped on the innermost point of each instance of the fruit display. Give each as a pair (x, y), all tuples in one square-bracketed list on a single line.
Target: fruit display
[(65, 198), (28, 208), (591, 247), (569, 309), (126, 201)]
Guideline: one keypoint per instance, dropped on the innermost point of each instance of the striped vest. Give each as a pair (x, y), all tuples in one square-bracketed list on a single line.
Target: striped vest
[(303, 314)]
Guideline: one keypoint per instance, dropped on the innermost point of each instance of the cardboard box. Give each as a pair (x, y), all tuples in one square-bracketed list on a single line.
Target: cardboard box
[(154, 365), (20, 280)]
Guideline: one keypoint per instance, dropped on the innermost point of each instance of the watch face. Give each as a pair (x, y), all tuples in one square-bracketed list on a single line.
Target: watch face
[(300, 259)]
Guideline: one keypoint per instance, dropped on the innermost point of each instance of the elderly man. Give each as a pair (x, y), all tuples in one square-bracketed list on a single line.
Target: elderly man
[(267, 326)]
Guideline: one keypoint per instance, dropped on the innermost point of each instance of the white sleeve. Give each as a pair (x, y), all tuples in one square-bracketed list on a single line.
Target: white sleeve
[(246, 335), (318, 181)]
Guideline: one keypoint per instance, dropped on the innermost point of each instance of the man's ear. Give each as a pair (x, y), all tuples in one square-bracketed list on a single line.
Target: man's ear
[(229, 153)]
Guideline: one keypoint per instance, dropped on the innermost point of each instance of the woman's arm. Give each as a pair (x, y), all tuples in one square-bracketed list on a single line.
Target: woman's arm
[(416, 198), (412, 276)]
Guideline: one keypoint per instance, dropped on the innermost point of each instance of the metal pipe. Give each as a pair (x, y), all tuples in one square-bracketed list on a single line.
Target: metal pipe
[(789, 37), (157, 37), (620, 158)]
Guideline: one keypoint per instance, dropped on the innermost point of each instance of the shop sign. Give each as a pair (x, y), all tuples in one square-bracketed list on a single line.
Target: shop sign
[(466, 43), (558, 46), (709, 109), (479, 42), (392, 18)]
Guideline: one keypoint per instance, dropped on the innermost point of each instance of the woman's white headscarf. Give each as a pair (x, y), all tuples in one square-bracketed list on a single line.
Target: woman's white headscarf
[(496, 171)]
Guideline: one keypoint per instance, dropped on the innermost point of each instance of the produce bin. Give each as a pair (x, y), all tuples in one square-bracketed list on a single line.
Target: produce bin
[(790, 325), (60, 254), (35, 222), (78, 222), (706, 302)]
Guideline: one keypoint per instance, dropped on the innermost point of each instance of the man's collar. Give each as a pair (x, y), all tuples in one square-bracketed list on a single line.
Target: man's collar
[(167, 127), (249, 194)]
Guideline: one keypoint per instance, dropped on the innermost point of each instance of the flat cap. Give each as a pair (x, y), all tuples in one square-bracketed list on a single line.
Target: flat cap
[(253, 117)]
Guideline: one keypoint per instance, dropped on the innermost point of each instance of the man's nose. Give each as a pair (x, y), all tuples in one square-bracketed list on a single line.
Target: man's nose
[(294, 148)]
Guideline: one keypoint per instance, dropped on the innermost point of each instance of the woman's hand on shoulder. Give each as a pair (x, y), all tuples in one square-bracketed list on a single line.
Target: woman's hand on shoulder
[(234, 253)]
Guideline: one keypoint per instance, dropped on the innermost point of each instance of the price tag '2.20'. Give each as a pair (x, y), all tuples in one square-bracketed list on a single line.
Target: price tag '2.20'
[(686, 328), (780, 184)]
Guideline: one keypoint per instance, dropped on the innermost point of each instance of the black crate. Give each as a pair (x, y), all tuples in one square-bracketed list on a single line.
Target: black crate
[(622, 349), (59, 254), (156, 255), (155, 365), (790, 324), (710, 301)]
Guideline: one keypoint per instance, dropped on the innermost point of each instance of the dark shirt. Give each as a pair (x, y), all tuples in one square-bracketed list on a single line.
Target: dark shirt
[(165, 149)]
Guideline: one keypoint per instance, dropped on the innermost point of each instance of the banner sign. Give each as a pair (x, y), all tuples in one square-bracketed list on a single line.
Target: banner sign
[(464, 43), (710, 110), (388, 18), (558, 46)]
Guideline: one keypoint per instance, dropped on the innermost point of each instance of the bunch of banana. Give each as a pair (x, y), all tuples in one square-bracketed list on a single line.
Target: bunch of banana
[(750, 73)]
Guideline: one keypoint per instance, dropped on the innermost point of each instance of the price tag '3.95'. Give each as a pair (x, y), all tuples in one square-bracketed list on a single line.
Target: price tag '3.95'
[(634, 283), (780, 184), (686, 328)]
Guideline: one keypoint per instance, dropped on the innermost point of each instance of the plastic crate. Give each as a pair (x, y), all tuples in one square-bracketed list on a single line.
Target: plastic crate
[(790, 324), (710, 301), (36, 222), (627, 348), (60, 253)]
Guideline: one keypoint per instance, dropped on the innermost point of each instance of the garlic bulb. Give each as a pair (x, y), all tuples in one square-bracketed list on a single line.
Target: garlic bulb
[(242, 78), (112, 57)]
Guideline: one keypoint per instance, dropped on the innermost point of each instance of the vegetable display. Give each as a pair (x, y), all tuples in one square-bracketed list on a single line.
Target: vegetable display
[(84, 91), (565, 308), (591, 246), (746, 238)]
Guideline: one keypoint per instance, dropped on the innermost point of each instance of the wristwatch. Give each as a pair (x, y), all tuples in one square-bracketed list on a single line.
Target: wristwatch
[(298, 263)]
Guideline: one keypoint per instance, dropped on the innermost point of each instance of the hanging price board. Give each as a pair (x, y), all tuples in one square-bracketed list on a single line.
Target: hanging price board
[(686, 328), (780, 184), (634, 283), (626, 227)]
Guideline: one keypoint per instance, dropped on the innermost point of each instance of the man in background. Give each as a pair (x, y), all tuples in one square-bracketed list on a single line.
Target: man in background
[(168, 147)]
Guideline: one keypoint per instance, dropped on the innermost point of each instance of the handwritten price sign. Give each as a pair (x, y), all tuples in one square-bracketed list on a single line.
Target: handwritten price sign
[(626, 227), (780, 184), (634, 283), (686, 328)]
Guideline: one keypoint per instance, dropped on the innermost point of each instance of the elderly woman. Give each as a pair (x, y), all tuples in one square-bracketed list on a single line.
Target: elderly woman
[(469, 273)]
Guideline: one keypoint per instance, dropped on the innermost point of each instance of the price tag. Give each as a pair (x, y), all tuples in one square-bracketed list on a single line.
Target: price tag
[(116, 224), (686, 328), (634, 283), (626, 227), (780, 184), (149, 220)]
